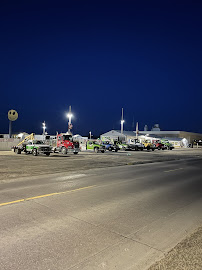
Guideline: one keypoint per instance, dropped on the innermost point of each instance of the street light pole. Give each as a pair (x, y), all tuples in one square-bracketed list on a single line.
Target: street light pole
[(44, 129), (122, 121), (69, 115)]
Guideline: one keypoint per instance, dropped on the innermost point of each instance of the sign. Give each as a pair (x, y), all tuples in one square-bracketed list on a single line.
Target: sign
[(12, 115)]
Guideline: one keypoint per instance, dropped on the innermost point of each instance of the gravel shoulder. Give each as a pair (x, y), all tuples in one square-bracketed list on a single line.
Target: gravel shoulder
[(187, 255), (16, 166)]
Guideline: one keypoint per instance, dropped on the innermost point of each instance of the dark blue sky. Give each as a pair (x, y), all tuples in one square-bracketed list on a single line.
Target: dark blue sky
[(100, 56)]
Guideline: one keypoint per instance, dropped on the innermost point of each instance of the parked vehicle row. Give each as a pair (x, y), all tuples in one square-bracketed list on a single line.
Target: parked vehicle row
[(64, 144)]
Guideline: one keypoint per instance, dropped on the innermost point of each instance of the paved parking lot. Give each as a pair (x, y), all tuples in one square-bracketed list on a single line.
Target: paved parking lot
[(15, 166)]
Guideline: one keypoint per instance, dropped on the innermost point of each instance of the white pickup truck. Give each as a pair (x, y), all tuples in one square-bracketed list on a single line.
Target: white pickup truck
[(136, 144)]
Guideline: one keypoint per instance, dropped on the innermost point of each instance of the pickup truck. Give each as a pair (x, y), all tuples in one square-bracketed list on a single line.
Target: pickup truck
[(167, 144), (159, 145), (136, 145), (148, 145), (123, 146), (95, 146), (110, 146), (34, 147)]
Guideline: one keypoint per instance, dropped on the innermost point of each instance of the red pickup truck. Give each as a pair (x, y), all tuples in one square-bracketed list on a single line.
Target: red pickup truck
[(158, 145)]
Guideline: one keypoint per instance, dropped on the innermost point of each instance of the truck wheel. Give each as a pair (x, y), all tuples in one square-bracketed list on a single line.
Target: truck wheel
[(159, 148), (116, 150), (75, 153), (148, 148), (136, 148), (142, 149), (47, 154), (153, 149), (96, 150), (34, 152), (18, 151), (64, 151)]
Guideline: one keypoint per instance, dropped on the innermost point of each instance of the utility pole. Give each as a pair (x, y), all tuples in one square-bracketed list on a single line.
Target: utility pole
[(10, 128)]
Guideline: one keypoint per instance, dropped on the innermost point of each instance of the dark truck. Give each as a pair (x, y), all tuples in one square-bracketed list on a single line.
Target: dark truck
[(110, 146)]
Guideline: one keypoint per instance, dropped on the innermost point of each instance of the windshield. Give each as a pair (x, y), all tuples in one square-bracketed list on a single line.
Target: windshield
[(67, 137), (38, 142)]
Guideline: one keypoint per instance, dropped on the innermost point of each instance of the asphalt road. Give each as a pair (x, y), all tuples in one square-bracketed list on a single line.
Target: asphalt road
[(114, 218)]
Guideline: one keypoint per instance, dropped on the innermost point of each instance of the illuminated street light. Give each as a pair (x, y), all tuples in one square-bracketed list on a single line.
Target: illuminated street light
[(122, 121), (44, 129), (70, 115)]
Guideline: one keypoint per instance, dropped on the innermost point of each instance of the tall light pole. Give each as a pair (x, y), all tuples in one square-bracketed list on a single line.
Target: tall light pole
[(44, 129), (137, 130), (90, 134), (122, 121), (70, 115)]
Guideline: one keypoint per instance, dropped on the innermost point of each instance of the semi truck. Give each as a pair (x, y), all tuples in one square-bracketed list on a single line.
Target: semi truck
[(65, 144)]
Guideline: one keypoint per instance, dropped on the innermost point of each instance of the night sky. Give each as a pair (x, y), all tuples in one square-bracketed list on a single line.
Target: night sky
[(100, 56)]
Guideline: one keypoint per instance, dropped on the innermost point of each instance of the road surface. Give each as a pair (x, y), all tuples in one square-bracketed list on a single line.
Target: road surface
[(114, 218)]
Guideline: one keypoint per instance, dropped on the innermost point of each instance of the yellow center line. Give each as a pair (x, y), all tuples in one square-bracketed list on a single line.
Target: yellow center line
[(45, 195), (174, 170)]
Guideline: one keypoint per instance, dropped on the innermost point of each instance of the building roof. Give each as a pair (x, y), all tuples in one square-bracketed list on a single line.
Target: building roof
[(118, 132), (155, 132)]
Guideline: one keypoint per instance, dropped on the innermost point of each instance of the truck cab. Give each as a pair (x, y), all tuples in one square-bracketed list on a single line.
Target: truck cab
[(65, 144)]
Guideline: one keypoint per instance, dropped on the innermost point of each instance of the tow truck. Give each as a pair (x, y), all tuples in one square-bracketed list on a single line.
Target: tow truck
[(95, 146), (31, 146), (148, 145), (136, 144), (110, 146), (65, 144), (159, 145), (167, 144)]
